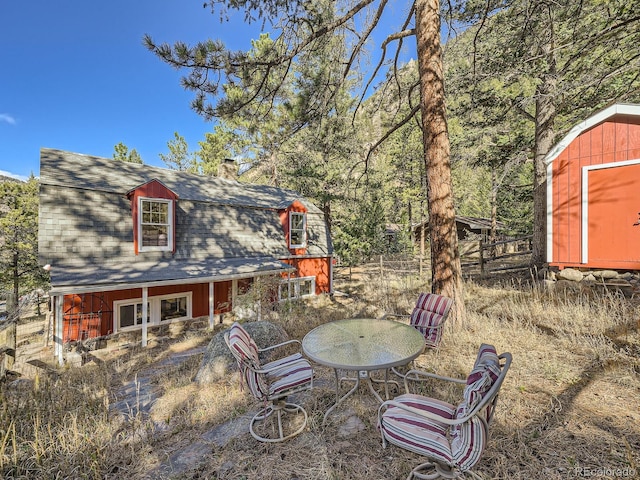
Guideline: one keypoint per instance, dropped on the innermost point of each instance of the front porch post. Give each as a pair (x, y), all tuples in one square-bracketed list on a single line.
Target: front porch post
[(59, 320), (330, 275), (211, 306), (234, 293), (145, 313)]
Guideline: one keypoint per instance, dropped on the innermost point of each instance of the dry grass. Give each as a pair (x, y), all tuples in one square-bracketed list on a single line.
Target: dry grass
[(569, 406)]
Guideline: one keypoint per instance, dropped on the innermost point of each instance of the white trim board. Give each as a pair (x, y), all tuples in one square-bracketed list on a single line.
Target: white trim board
[(617, 109)]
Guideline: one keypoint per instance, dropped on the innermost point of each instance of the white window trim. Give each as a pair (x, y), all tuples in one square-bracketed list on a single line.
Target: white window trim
[(304, 230), (156, 248), (294, 288), (154, 310)]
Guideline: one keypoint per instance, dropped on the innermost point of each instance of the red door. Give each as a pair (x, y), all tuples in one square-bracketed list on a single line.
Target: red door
[(613, 214)]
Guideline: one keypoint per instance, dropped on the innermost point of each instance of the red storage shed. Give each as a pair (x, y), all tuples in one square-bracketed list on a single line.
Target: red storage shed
[(593, 193)]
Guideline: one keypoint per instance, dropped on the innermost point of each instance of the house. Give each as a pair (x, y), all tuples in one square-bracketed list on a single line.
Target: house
[(125, 241), (593, 194), (467, 228)]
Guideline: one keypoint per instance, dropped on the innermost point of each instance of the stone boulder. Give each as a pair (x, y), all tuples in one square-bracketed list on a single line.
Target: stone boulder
[(605, 274), (570, 274), (218, 361)]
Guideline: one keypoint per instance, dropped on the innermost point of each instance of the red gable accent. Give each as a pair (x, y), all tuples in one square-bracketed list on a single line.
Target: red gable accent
[(296, 206), (152, 189)]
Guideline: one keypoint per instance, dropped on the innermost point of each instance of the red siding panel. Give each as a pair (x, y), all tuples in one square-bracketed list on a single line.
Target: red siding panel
[(80, 309), (634, 137), (584, 141), (597, 147), (608, 137), (622, 141), (574, 211), (318, 267)]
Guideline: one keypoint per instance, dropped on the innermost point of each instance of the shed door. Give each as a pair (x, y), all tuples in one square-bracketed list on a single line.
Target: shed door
[(613, 203)]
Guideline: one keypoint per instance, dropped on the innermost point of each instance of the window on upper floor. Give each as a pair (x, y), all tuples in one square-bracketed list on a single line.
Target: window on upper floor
[(297, 230), (155, 224)]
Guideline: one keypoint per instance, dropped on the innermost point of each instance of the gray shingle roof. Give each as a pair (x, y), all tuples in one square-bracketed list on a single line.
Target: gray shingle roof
[(223, 228), (62, 168), (95, 277)]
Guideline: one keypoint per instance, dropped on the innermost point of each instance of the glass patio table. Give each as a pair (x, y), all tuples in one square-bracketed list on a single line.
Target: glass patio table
[(362, 345)]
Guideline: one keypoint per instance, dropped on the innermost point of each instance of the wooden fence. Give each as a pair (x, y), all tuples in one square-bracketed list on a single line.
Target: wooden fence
[(512, 254), (477, 257), (7, 346)]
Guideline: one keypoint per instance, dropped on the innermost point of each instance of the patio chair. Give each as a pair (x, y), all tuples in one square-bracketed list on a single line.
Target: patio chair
[(452, 438), (271, 383), (428, 316)]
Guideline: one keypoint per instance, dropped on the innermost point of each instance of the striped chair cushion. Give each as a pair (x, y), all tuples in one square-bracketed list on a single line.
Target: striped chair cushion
[(484, 374), (434, 303), (486, 353), (242, 346), (289, 375), (245, 351), (255, 382), (282, 361), (418, 434), (428, 324), (429, 313), (467, 440)]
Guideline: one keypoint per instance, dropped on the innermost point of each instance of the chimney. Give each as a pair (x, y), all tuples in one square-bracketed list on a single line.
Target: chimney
[(228, 169)]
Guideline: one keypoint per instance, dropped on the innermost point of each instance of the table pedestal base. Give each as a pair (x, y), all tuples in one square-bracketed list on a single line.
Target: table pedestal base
[(366, 376)]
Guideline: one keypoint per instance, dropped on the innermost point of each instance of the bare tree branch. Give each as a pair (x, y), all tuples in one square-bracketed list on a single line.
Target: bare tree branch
[(356, 50), (389, 132)]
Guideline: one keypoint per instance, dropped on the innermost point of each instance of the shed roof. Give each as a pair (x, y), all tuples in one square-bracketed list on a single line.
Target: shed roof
[(476, 223), (618, 109)]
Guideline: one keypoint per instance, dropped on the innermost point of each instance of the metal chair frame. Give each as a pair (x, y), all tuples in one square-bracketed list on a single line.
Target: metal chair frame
[(433, 469), (273, 403), (406, 318)]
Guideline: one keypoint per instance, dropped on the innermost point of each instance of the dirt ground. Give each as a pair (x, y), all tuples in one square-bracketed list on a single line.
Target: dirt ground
[(569, 408)]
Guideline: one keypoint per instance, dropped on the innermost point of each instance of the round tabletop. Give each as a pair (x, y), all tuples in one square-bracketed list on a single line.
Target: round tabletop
[(363, 344)]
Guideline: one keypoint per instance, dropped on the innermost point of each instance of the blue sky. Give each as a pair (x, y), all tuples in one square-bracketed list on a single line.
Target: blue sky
[(75, 76)]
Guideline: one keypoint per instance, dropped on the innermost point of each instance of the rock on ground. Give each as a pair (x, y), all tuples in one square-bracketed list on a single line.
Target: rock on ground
[(218, 361)]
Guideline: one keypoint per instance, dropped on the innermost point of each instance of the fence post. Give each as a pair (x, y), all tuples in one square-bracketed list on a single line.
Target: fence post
[(8, 333), (481, 259), (381, 268)]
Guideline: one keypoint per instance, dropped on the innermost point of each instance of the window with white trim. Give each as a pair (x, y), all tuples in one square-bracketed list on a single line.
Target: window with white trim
[(130, 314), (173, 308), (297, 288), (160, 309), (155, 224), (297, 230)]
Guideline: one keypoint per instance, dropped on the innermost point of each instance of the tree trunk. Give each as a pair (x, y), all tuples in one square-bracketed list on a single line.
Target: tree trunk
[(493, 233), (445, 260), (544, 137), (16, 277), (326, 210)]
